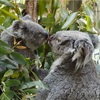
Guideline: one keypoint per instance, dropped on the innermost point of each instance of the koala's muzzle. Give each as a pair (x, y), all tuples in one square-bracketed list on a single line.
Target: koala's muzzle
[(50, 38), (46, 35)]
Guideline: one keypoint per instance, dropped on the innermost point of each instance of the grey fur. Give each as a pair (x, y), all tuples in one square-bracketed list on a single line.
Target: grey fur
[(73, 75), (32, 36), (31, 33)]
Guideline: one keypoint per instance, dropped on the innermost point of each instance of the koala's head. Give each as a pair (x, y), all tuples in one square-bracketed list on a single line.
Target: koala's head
[(77, 44), (31, 32)]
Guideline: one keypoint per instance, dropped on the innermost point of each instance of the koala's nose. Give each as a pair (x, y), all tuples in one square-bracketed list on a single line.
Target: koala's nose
[(51, 37), (46, 34)]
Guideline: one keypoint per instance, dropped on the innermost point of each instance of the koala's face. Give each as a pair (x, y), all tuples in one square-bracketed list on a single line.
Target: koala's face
[(74, 45), (31, 32), (64, 42)]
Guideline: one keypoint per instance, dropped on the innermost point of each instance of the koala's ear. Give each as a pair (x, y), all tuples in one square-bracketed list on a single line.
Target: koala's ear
[(83, 52), (17, 25), (27, 17)]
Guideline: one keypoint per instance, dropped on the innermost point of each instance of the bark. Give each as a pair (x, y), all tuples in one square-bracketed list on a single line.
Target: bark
[(31, 8)]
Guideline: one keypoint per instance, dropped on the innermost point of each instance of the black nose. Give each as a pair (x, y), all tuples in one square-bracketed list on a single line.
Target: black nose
[(46, 34)]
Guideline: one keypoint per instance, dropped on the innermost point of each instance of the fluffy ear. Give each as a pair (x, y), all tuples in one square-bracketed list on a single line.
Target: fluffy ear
[(17, 28), (17, 24), (83, 53)]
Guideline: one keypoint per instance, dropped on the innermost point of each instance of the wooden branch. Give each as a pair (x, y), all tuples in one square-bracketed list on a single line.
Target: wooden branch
[(31, 8)]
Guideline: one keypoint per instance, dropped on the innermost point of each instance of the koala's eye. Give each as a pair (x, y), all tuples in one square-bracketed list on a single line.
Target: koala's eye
[(58, 39), (65, 42), (24, 28), (40, 34)]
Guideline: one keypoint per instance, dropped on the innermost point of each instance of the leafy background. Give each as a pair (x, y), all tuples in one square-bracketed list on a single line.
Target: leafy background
[(16, 83)]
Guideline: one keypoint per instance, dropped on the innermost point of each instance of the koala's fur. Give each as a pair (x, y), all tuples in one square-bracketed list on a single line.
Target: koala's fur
[(30, 33), (73, 75)]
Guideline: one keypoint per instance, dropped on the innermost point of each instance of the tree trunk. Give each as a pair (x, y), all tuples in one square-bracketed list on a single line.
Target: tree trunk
[(31, 8)]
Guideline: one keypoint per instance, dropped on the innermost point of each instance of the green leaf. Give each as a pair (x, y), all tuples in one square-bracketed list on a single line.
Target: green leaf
[(3, 51), (18, 58), (2, 18), (36, 77), (70, 20), (4, 45), (38, 83), (8, 64), (4, 97), (42, 7), (32, 90), (55, 6), (8, 73), (17, 9), (12, 82), (10, 94), (89, 12), (7, 22), (48, 21), (9, 14), (6, 2), (3, 28), (89, 23), (63, 14), (15, 74)]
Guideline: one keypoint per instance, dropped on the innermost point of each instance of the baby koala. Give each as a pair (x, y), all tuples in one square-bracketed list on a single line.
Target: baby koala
[(26, 35), (73, 75)]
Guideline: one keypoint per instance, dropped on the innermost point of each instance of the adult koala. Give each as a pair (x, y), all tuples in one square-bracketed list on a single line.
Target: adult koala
[(73, 75)]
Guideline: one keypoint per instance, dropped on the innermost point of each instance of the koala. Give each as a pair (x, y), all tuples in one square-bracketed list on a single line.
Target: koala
[(73, 74), (25, 37), (26, 34)]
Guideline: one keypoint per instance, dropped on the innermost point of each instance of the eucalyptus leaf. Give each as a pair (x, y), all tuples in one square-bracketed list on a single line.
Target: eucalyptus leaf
[(32, 90), (55, 6), (18, 58), (8, 21), (4, 97), (42, 7), (8, 73), (89, 12), (70, 20), (3, 28), (10, 14), (38, 83), (10, 94), (12, 82), (6, 2), (7, 63), (3, 51), (2, 18), (89, 23), (4, 45), (47, 21)]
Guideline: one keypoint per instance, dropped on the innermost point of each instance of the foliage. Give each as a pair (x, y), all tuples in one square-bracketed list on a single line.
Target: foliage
[(18, 80)]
